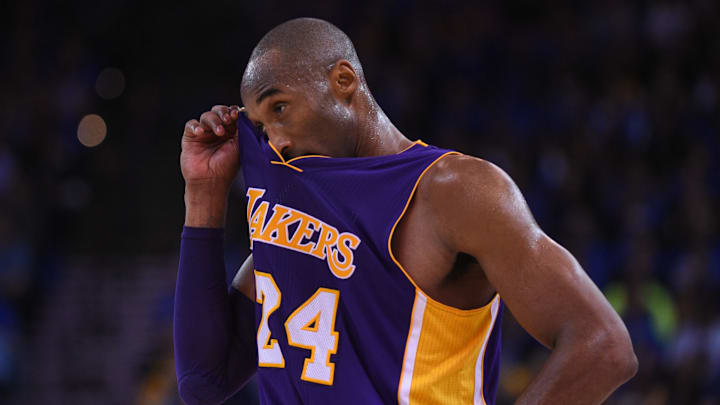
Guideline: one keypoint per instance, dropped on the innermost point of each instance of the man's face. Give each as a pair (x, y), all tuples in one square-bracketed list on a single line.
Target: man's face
[(299, 116)]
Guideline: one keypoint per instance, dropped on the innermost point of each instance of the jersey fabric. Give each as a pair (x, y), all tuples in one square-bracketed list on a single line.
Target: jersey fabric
[(339, 320)]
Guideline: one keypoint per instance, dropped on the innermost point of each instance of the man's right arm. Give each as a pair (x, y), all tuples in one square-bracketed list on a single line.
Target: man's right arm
[(215, 350), (477, 209)]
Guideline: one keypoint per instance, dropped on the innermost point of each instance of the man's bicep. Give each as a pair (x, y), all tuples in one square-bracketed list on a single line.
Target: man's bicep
[(541, 283)]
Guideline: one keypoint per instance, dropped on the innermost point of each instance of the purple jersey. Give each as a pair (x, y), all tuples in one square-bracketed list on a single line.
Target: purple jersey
[(338, 318)]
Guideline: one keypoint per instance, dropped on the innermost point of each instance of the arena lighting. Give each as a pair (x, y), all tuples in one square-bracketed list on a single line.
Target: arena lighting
[(110, 83), (91, 130)]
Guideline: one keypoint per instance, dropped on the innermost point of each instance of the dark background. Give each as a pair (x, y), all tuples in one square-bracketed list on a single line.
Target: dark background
[(604, 112)]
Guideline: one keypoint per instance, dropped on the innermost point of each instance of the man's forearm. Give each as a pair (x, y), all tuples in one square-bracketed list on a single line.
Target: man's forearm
[(215, 353), (581, 373)]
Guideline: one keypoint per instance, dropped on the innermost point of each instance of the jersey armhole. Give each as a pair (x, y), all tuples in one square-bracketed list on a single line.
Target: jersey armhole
[(430, 300)]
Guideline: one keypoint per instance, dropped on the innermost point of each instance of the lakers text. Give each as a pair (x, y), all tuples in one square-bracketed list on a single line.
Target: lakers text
[(335, 247)]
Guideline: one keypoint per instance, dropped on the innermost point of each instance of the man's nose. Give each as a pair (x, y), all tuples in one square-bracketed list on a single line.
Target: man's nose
[(281, 143)]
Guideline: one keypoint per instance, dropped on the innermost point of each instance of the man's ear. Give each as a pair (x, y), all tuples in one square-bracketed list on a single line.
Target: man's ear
[(343, 80)]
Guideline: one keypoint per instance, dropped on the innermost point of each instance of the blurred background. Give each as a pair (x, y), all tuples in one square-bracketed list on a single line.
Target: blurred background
[(604, 112)]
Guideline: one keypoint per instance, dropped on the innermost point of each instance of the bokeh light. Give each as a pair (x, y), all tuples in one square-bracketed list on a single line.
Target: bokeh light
[(91, 130), (110, 83)]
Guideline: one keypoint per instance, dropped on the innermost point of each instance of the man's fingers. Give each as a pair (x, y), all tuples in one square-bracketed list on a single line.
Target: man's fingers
[(235, 111), (192, 128), (228, 116), (219, 121), (223, 112), (211, 121)]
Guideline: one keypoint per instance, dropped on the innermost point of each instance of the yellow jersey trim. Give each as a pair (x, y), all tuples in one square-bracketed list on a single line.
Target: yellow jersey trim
[(444, 357), (282, 159), (417, 142)]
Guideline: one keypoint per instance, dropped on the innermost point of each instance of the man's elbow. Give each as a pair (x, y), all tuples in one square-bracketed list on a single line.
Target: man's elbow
[(616, 354), (186, 393), (625, 362), (195, 390)]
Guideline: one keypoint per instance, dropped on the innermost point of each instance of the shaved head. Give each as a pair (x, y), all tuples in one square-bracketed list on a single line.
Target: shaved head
[(305, 89), (303, 48)]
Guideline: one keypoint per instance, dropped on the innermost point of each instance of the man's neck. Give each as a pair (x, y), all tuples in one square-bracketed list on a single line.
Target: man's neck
[(378, 136)]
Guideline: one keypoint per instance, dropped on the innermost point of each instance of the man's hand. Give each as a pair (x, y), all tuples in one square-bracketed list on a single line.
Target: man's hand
[(209, 162)]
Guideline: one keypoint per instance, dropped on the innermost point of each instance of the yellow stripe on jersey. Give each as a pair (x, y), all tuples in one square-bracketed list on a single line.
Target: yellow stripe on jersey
[(444, 354)]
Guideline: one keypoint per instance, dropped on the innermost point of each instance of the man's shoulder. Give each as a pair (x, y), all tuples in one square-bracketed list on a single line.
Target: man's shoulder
[(468, 201), (460, 176)]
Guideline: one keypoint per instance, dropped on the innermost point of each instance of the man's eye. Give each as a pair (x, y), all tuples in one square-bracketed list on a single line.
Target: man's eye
[(279, 108)]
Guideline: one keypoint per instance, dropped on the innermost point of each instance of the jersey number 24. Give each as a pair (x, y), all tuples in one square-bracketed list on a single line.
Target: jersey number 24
[(311, 326)]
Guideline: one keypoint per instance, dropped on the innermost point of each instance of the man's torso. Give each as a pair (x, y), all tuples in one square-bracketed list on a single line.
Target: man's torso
[(338, 317)]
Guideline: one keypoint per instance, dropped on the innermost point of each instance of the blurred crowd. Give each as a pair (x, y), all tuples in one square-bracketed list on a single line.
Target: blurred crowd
[(604, 112)]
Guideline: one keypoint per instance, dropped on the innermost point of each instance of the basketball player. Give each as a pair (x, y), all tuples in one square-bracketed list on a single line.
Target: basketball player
[(380, 266)]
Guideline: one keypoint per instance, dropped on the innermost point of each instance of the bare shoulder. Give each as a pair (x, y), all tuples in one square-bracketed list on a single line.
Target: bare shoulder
[(460, 178), (469, 196)]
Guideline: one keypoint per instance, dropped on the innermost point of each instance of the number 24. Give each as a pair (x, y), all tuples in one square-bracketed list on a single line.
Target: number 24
[(311, 326)]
